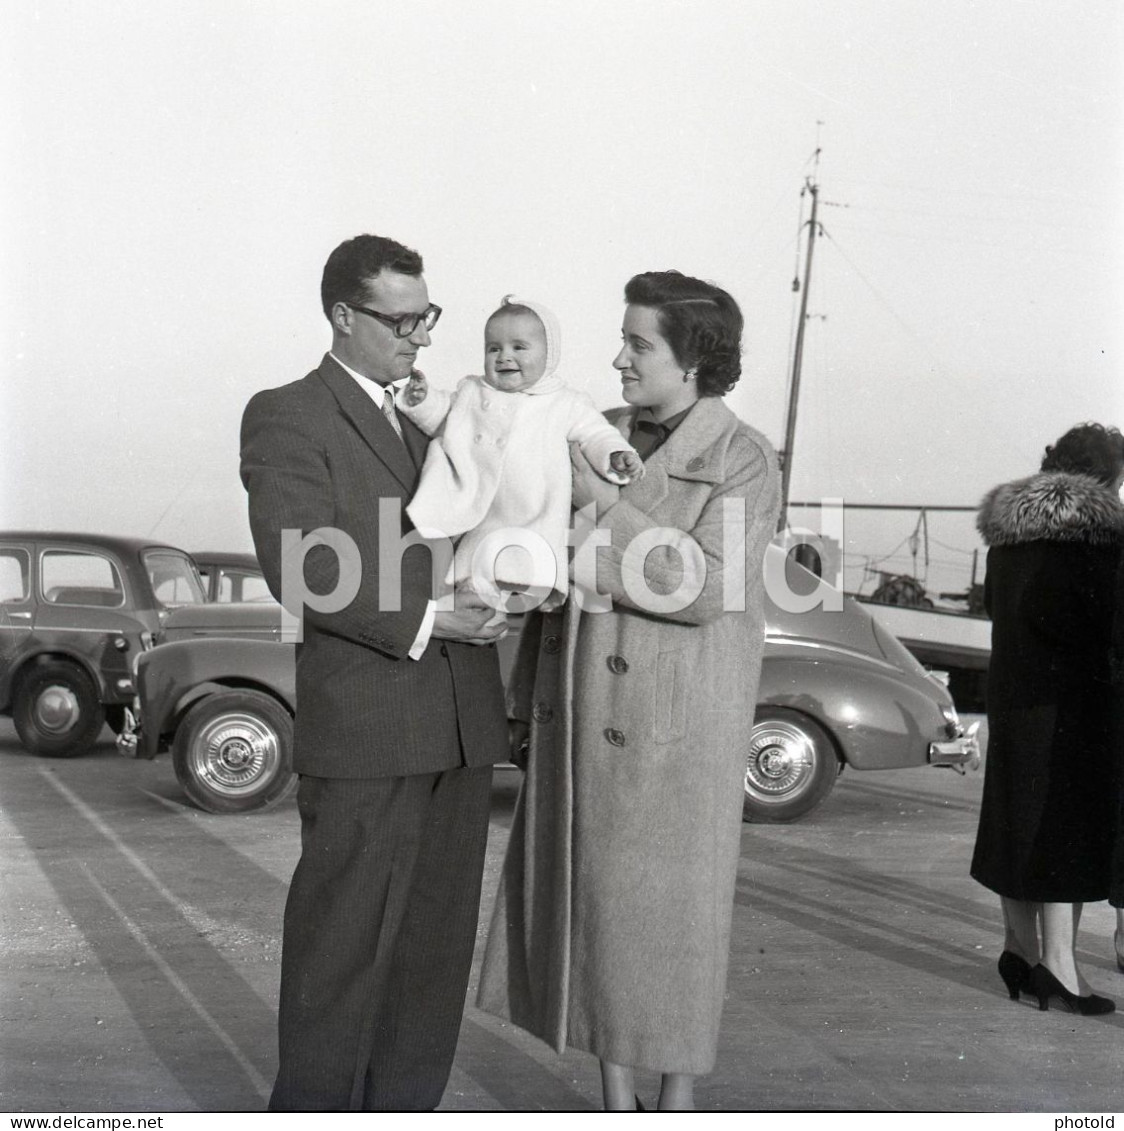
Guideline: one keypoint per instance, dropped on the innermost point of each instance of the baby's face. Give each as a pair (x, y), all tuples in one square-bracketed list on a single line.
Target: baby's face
[(514, 351)]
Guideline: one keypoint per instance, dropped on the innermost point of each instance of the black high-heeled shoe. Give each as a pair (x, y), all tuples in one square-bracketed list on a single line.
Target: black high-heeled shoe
[(1015, 972), (1044, 985)]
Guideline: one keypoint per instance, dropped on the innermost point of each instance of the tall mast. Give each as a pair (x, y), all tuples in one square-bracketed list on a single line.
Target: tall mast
[(810, 186)]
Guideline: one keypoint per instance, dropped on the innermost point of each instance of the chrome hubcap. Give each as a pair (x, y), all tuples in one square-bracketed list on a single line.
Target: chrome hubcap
[(234, 752), (781, 759), (57, 709)]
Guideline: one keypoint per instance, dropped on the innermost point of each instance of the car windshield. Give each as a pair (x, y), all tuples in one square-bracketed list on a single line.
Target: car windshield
[(174, 579)]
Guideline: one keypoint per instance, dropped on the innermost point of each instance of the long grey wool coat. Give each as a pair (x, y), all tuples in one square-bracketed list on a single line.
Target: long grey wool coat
[(611, 926)]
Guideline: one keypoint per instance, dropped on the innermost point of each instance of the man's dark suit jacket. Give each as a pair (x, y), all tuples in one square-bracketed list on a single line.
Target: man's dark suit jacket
[(319, 453)]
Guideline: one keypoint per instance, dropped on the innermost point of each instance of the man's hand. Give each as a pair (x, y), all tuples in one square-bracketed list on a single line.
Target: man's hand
[(472, 620), (416, 390)]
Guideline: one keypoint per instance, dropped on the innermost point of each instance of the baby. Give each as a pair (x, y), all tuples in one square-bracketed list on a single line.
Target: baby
[(498, 467)]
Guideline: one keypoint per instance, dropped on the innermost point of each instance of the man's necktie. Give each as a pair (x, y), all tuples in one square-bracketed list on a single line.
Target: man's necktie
[(388, 410)]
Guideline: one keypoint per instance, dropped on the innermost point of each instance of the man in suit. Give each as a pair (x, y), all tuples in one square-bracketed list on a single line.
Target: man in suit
[(399, 717)]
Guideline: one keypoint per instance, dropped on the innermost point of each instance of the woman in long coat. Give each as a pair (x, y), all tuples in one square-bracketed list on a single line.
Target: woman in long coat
[(1048, 816), (1116, 891), (612, 922)]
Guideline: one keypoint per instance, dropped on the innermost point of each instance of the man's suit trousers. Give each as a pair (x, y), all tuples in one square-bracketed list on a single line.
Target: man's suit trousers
[(379, 930)]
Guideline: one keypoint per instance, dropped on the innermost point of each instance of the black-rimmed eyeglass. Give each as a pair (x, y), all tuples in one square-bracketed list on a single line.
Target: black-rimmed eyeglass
[(403, 325)]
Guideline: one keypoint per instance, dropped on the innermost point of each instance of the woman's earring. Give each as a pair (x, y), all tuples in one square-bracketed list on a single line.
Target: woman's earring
[(689, 375)]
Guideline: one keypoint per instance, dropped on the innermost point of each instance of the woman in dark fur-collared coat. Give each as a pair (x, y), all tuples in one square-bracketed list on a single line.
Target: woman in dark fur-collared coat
[(1048, 817), (1116, 891)]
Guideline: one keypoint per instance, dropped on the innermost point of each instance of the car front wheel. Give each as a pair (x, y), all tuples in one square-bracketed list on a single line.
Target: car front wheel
[(233, 752), (790, 768), (56, 710)]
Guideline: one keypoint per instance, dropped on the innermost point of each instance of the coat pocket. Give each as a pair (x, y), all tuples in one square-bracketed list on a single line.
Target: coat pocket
[(671, 698)]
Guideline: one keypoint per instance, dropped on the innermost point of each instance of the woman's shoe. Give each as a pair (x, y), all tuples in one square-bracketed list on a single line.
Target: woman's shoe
[(1116, 941), (1015, 972), (1044, 986)]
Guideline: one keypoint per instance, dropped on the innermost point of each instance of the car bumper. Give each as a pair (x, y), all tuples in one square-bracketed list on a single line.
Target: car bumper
[(130, 740), (962, 753)]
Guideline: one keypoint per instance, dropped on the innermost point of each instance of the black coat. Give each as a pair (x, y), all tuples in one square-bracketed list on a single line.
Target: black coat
[(1116, 892), (1048, 817)]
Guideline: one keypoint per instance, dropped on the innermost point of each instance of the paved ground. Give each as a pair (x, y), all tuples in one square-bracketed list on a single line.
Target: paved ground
[(141, 960)]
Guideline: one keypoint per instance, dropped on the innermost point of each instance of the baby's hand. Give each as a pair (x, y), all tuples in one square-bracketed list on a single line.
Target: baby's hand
[(627, 463), (416, 388)]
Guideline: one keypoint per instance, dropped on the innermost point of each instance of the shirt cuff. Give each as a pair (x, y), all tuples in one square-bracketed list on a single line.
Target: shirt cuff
[(422, 638)]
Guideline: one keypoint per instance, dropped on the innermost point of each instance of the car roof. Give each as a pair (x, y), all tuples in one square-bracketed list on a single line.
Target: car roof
[(222, 558), (106, 541)]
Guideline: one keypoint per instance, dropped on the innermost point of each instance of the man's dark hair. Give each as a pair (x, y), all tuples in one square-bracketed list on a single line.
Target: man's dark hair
[(356, 261), (1087, 449), (701, 322)]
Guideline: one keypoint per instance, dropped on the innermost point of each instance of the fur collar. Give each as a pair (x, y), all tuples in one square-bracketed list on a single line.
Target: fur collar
[(1053, 506)]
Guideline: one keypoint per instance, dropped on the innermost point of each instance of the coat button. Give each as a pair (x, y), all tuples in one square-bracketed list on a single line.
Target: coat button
[(697, 464), (444, 649), (615, 737), (542, 713), (618, 665), (552, 644)]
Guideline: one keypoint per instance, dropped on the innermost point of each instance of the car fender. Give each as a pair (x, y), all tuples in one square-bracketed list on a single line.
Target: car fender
[(877, 720), (101, 661), (173, 677)]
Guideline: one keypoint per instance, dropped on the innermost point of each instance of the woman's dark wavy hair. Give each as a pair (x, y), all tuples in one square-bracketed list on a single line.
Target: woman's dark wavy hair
[(1088, 449), (356, 262), (701, 323)]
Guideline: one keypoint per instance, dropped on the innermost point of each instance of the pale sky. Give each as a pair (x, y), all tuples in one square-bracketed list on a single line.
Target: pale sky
[(175, 174)]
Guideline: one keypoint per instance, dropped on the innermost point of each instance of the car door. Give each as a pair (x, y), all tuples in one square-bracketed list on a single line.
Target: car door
[(17, 611), (87, 611)]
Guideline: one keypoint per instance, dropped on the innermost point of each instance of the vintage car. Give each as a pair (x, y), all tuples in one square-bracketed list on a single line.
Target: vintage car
[(836, 690), (231, 577), (75, 609)]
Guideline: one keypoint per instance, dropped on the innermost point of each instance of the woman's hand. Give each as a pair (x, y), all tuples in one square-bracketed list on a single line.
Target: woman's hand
[(588, 486)]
